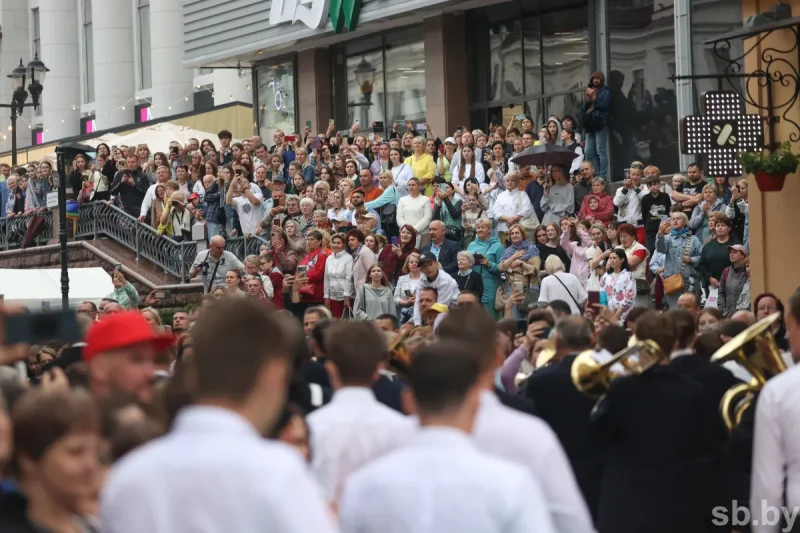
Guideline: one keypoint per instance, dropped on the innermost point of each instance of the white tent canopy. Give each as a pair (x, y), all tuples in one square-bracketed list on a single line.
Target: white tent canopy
[(157, 137), (32, 288)]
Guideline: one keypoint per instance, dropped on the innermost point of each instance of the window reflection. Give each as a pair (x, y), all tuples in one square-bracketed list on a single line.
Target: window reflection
[(505, 61), (643, 103), (711, 18), (276, 99), (566, 50), (365, 88), (405, 82), (533, 63)]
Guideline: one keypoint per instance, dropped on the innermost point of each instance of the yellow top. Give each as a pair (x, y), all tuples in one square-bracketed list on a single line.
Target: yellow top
[(424, 169)]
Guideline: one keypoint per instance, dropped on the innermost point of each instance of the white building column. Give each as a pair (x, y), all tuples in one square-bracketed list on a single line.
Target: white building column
[(229, 87), (16, 46), (114, 80), (684, 89), (58, 21), (172, 82)]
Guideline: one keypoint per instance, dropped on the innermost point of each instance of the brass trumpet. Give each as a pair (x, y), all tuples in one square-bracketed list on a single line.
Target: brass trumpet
[(756, 350), (592, 376)]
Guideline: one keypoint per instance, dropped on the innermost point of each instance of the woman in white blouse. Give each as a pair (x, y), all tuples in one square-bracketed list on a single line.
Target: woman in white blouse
[(466, 168), (618, 284), (415, 210), (400, 171), (405, 293), (338, 288)]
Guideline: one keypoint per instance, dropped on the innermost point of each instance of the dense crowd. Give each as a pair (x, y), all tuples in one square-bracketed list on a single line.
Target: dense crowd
[(401, 354)]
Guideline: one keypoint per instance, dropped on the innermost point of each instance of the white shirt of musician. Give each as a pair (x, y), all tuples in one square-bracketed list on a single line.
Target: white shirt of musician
[(349, 432), (776, 451), (441, 482)]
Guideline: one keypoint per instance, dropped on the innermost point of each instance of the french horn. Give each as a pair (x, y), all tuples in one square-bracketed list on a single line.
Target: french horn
[(754, 349)]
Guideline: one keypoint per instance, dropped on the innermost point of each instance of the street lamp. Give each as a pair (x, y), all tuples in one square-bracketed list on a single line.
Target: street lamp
[(36, 72), (365, 78)]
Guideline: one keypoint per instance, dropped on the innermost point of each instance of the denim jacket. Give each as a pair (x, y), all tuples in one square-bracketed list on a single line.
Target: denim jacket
[(674, 248)]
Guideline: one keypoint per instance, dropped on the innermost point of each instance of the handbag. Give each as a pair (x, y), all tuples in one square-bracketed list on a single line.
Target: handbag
[(642, 287), (530, 222), (674, 283), (453, 233)]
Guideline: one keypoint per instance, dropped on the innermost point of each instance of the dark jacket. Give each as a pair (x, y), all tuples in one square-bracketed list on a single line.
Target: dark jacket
[(471, 282), (595, 114), (535, 191), (389, 392), (448, 256), (568, 411), (131, 196), (731, 284), (654, 427)]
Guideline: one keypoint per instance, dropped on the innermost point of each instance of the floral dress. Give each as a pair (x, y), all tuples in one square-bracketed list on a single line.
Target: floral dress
[(621, 291)]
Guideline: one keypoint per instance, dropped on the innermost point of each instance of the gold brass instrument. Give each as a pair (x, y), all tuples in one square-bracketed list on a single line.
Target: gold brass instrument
[(546, 355), (756, 350), (592, 377), (399, 354)]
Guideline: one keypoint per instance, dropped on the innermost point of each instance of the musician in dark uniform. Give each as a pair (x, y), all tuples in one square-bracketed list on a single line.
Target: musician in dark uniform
[(654, 426), (567, 410)]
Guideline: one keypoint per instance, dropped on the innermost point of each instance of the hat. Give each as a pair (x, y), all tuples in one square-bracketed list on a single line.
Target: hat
[(738, 248), (193, 196), (278, 178), (437, 308), (450, 140), (427, 257), (122, 330)]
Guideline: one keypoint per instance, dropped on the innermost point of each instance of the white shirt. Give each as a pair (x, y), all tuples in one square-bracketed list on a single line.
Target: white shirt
[(480, 175), (415, 211), (442, 483), (510, 204), (339, 276), (402, 173), (250, 214), (629, 202), (149, 196), (529, 442), (446, 292), (351, 431), (551, 290), (213, 472), (776, 449)]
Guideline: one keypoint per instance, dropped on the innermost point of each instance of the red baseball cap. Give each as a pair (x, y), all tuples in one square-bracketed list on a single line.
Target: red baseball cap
[(121, 330)]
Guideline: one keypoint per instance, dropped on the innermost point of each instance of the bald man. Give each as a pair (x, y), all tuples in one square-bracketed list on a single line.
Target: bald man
[(213, 264), (746, 317), (689, 302)]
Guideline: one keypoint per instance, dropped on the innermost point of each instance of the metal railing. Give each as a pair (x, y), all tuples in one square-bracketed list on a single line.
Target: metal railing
[(14, 229), (176, 258)]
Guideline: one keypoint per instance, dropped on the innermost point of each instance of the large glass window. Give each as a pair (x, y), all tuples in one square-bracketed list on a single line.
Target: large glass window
[(386, 79), (505, 61), (88, 53), (146, 72), (644, 125), (711, 18), (276, 99)]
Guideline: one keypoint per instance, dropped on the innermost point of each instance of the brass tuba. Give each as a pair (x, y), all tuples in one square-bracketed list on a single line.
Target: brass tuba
[(399, 354), (756, 350), (592, 376)]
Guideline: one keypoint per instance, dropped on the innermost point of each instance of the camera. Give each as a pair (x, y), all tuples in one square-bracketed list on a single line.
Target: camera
[(174, 150), (238, 171)]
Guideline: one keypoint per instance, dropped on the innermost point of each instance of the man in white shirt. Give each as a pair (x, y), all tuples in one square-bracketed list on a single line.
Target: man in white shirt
[(436, 278), (441, 481), (248, 204), (162, 177), (354, 428), (511, 206), (775, 482), (504, 432), (214, 471)]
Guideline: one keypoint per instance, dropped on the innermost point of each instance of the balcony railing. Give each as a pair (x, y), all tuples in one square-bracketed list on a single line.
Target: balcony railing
[(98, 219)]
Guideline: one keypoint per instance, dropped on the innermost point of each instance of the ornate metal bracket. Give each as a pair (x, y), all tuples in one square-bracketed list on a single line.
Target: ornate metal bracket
[(779, 68)]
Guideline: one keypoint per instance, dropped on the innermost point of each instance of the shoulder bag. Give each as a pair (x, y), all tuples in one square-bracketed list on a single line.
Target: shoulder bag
[(566, 289), (674, 283)]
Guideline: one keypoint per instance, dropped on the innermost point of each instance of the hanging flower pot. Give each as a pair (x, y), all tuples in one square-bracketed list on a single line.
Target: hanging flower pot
[(770, 168), (770, 182)]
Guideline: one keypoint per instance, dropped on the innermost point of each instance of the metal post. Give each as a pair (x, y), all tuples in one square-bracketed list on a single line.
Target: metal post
[(13, 134), (62, 224), (137, 233)]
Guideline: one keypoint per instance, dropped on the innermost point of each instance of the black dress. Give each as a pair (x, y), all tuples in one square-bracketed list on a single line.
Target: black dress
[(546, 251)]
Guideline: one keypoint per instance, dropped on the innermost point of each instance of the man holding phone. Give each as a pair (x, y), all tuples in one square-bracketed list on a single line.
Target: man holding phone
[(131, 185)]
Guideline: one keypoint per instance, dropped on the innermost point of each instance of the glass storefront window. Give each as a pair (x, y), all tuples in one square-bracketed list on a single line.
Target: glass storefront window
[(711, 18), (643, 100), (276, 99), (565, 39), (405, 82), (505, 61), (386, 80)]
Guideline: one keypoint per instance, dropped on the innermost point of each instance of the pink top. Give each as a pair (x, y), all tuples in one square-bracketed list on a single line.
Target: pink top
[(577, 253)]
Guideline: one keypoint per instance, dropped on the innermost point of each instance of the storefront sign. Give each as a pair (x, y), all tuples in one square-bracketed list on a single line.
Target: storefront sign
[(314, 13)]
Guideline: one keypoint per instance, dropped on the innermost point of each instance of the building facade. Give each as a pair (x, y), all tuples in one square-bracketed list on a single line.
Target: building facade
[(112, 63), (468, 62)]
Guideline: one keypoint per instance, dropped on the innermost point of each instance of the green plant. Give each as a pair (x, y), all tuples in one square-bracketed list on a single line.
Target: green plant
[(781, 161)]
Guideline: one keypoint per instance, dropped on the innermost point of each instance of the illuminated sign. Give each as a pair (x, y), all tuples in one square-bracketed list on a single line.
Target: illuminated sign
[(722, 132), (315, 13)]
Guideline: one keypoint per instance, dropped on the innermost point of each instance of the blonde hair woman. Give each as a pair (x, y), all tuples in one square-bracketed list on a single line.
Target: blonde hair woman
[(152, 317), (520, 263), (422, 166), (560, 285), (488, 253)]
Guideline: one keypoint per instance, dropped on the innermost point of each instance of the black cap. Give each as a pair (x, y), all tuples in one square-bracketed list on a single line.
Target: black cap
[(427, 257)]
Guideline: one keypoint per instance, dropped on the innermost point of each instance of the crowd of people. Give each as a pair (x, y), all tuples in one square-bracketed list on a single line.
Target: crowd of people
[(400, 355)]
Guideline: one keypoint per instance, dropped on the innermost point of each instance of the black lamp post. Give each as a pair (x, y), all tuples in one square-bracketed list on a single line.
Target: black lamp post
[(365, 78), (36, 72)]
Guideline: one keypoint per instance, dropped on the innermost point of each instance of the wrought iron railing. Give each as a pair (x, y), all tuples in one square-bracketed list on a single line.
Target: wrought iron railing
[(176, 258), (14, 229)]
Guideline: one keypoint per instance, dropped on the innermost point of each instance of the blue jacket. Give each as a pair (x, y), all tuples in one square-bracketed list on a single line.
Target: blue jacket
[(674, 248), (595, 114), (4, 192)]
